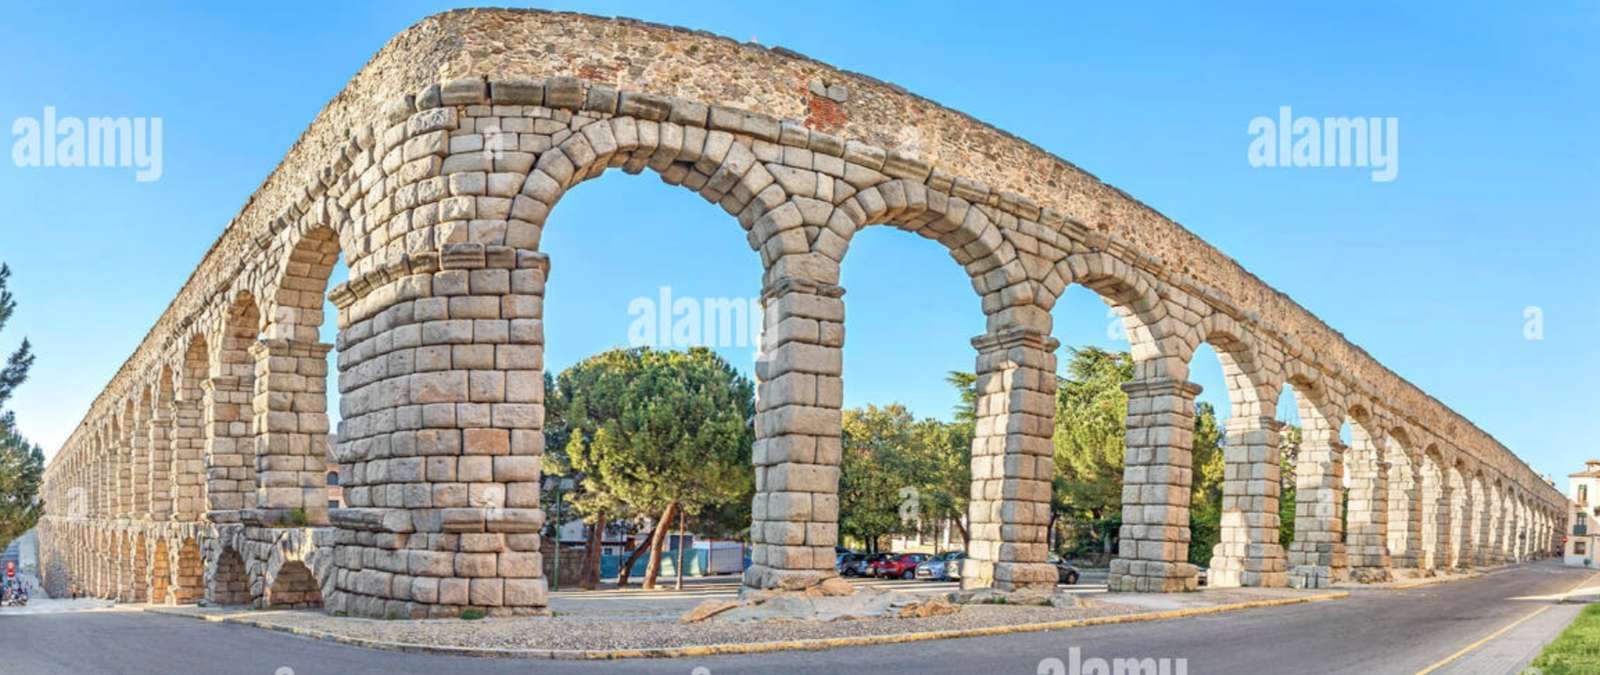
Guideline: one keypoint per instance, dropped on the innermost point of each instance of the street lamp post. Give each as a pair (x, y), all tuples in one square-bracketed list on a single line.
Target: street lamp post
[(560, 486)]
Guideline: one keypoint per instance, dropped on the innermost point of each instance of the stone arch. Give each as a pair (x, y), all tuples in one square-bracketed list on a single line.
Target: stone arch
[(290, 404), (227, 578), (1405, 500), (190, 431), (1435, 509), (1249, 551), (1480, 520), (1460, 512), (1367, 506), (160, 437), (292, 586), (1131, 292), (161, 592), (137, 567), (1317, 557), (230, 438)]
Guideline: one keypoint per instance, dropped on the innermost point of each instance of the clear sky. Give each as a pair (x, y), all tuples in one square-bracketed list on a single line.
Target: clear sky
[(1493, 209)]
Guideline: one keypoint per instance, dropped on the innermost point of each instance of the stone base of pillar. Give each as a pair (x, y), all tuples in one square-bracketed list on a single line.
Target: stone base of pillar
[(485, 560), (1253, 565), (1147, 576), (1315, 576)]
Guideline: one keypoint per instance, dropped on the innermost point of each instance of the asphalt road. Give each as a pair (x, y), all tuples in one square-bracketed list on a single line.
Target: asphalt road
[(1371, 632)]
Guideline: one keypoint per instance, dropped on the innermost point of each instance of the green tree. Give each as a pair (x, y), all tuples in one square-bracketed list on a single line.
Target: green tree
[(1090, 425), (877, 464), (1289, 455), (1091, 416), (1205, 498), (21, 462), (658, 432)]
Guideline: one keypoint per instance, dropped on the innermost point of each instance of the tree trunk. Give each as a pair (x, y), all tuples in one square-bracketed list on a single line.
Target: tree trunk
[(966, 539), (657, 540), (677, 583), (590, 578), (626, 572)]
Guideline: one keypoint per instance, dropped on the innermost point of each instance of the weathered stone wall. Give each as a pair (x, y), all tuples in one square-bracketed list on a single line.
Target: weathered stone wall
[(432, 175)]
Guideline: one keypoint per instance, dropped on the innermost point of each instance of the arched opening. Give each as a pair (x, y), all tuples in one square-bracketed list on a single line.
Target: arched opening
[(230, 438), (1290, 444), (1367, 500), (162, 443), (1481, 536), (1460, 515), (298, 360), (190, 432), (1317, 557), (229, 583), (294, 587), (911, 410), (1435, 511), (138, 568), (1405, 503), (1127, 422), (160, 575), (618, 281), (1235, 521)]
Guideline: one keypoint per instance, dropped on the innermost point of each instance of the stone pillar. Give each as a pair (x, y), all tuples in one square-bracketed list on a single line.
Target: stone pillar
[(1482, 525), (139, 464), (230, 470), (1153, 555), (291, 433), (1436, 495), (441, 376), (1012, 463), (1368, 536), (158, 482), (1494, 519), (186, 481), (1317, 555), (795, 513), (1248, 552)]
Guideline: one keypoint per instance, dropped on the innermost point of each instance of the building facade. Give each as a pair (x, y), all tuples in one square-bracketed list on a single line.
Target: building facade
[(1583, 524)]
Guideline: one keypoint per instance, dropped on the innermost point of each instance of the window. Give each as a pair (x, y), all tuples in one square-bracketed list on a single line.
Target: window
[(333, 478), (333, 503), (1583, 494), (1578, 547)]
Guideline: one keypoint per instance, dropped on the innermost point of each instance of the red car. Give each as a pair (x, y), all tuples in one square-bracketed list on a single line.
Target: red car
[(902, 566)]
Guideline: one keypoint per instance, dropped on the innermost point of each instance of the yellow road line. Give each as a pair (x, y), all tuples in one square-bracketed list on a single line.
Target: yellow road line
[(1464, 650)]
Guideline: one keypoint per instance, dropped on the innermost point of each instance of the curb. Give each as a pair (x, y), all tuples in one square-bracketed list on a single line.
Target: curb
[(753, 647)]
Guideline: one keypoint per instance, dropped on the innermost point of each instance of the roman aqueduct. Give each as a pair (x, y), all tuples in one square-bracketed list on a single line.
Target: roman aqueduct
[(199, 472)]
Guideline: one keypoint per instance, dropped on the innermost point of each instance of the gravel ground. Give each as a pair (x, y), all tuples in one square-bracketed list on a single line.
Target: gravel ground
[(598, 632)]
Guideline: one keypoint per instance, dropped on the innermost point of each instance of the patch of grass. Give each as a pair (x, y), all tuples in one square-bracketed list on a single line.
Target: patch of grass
[(472, 614), (1577, 649)]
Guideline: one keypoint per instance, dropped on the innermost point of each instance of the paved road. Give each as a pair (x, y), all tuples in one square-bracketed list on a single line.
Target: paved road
[(1371, 632)]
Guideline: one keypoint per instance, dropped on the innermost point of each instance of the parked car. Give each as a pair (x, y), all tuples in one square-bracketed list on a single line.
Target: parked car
[(952, 568), (1065, 572), (861, 565), (846, 563), (936, 568), (902, 566), (1202, 573)]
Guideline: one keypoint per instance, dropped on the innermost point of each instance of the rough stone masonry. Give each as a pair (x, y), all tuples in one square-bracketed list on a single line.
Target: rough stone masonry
[(199, 471)]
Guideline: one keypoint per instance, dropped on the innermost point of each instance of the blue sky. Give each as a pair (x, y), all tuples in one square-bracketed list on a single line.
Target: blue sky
[(1492, 212)]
